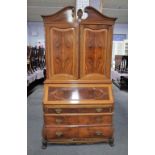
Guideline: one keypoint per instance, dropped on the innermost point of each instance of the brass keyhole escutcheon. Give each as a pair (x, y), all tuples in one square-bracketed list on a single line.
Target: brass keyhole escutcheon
[(58, 111), (98, 109), (58, 121), (99, 133), (59, 133)]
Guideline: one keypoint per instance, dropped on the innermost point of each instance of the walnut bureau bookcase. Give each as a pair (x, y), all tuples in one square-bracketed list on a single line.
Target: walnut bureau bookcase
[(78, 102)]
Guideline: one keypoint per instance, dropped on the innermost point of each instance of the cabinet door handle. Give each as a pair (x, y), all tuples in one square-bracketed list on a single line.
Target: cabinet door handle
[(59, 133), (58, 121), (98, 109), (99, 133), (58, 111)]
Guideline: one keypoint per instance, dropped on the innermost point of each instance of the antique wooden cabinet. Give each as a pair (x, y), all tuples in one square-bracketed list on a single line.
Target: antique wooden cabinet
[(78, 103)]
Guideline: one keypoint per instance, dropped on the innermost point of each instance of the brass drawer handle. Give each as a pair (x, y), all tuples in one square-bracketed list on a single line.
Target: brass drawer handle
[(58, 111), (99, 109), (58, 121), (59, 133), (99, 133)]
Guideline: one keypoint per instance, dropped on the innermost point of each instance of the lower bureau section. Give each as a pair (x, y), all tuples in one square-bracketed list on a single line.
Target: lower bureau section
[(78, 113)]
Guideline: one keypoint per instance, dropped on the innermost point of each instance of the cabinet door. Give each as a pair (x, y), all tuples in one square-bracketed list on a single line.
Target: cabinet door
[(95, 52), (62, 53)]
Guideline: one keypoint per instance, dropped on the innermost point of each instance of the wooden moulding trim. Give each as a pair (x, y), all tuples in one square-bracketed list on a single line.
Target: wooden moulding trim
[(79, 85), (94, 16), (59, 12), (78, 114), (77, 106), (78, 141), (78, 81), (78, 126), (60, 16), (91, 10), (97, 22), (81, 105), (95, 102)]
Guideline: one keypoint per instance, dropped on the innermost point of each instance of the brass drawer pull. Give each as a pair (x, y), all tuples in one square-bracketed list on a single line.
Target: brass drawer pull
[(59, 133), (58, 111), (99, 109), (58, 121), (99, 133)]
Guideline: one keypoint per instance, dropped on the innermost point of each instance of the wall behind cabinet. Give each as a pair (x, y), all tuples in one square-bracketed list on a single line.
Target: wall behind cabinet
[(35, 32)]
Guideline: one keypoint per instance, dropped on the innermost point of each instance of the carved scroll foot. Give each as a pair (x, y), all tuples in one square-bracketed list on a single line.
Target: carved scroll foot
[(44, 144), (111, 142)]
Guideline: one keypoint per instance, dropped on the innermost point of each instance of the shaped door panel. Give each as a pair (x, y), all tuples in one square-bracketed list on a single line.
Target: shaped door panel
[(62, 54), (95, 56)]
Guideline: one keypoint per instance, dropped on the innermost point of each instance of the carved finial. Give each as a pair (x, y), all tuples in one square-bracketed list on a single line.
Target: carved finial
[(79, 13), (73, 12)]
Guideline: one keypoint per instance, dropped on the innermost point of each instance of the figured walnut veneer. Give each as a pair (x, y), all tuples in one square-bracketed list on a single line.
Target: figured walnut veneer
[(95, 51), (63, 43), (88, 119), (77, 93)]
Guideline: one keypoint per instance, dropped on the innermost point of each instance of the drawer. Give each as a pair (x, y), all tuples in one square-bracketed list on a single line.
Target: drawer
[(61, 133), (104, 119), (78, 132), (60, 120), (95, 132), (95, 119), (96, 110), (78, 110)]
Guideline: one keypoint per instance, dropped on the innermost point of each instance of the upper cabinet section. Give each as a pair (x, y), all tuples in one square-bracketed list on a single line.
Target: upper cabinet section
[(78, 49)]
